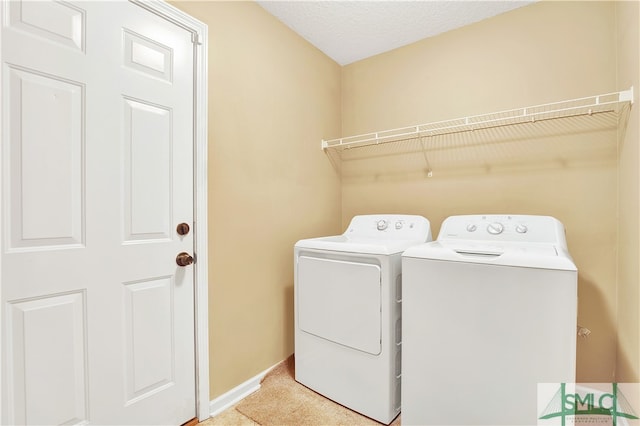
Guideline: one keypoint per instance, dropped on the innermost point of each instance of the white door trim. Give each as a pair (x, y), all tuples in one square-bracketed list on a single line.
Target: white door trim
[(199, 33), (200, 36)]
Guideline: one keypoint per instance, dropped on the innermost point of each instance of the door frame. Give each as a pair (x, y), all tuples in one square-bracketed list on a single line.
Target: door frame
[(199, 35)]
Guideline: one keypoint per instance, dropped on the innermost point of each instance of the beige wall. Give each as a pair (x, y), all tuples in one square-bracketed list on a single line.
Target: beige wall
[(540, 53), (272, 98), (628, 355)]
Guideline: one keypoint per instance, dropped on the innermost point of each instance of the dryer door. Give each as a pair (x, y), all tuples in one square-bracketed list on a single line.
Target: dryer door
[(340, 301)]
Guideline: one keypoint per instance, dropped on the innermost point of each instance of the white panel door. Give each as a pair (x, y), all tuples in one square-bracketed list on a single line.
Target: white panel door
[(97, 172)]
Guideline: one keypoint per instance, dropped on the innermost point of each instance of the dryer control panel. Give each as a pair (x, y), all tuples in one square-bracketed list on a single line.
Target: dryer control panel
[(390, 226), (504, 228)]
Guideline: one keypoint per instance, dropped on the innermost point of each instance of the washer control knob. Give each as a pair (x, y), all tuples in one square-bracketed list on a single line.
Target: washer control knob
[(471, 227), (522, 229), (382, 225), (495, 228), (399, 225)]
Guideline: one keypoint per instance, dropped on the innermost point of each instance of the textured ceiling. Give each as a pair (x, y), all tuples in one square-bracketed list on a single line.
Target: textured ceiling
[(348, 31)]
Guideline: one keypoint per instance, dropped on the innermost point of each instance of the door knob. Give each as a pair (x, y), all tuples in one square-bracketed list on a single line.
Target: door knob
[(184, 259), (183, 229)]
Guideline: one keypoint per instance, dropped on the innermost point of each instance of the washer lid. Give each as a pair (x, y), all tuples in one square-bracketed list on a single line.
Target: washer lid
[(542, 256)]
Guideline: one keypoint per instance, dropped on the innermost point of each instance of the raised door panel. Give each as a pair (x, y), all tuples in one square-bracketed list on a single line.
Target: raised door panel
[(48, 360), (149, 337), (46, 115), (57, 22), (148, 177), (147, 56)]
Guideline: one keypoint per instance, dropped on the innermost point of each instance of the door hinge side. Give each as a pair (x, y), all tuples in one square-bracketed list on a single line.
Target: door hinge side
[(195, 38)]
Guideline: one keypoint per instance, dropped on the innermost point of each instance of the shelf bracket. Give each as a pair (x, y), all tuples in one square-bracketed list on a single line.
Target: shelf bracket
[(426, 158), (627, 96)]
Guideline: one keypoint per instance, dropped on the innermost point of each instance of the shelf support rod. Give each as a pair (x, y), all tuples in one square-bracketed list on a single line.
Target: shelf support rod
[(426, 159)]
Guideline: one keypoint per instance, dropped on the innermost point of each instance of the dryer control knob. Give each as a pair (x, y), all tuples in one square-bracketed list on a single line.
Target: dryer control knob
[(495, 228), (399, 225), (382, 225), (522, 229), (471, 227)]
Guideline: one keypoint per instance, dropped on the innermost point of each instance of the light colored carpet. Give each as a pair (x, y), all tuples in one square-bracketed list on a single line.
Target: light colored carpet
[(230, 417), (281, 401)]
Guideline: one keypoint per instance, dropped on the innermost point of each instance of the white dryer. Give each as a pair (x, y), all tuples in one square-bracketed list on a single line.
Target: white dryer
[(347, 312), (489, 311)]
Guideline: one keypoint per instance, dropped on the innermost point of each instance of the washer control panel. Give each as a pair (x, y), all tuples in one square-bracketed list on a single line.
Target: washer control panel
[(515, 228), (401, 227)]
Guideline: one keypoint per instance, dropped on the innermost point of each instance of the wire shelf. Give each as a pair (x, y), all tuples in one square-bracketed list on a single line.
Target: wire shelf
[(588, 106)]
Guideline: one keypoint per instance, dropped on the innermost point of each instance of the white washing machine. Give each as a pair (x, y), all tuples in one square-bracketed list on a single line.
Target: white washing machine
[(489, 311), (347, 312)]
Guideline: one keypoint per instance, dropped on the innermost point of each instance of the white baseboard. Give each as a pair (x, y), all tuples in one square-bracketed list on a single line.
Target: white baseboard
[(237, 394)]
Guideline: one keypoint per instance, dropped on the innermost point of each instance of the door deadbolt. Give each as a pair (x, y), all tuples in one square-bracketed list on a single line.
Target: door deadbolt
[(183, 229), (184, 259)]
